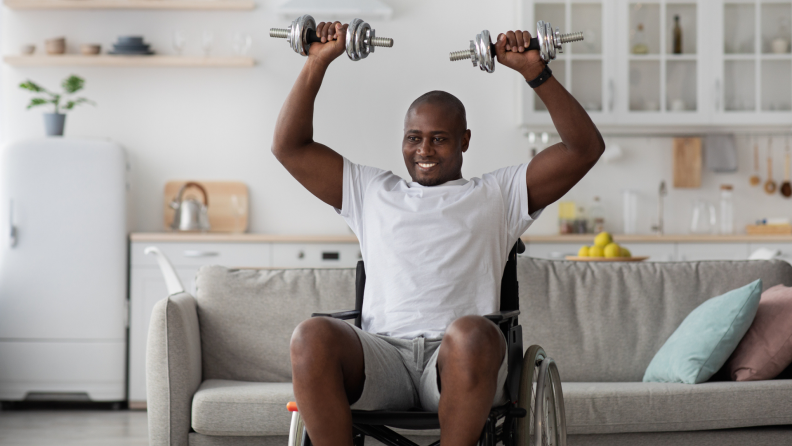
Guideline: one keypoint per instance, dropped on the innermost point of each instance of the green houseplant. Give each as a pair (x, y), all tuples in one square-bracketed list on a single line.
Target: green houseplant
[(54, 122)]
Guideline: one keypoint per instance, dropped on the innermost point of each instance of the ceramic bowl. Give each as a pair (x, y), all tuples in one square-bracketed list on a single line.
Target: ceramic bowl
[(90, 49), (27, 49), (130, 40), (56, 45)]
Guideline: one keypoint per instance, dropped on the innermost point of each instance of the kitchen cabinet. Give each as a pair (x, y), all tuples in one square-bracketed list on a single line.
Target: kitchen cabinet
[(188, 253), (734, 71)]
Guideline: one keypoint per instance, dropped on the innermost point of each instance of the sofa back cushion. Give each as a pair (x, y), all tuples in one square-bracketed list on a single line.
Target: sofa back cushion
[(247, 316), (604, 322)]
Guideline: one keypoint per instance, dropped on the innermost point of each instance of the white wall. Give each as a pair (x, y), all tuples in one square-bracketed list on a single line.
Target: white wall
[(194, 123)]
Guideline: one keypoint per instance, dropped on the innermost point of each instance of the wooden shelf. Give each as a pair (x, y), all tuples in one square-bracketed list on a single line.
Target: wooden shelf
[(201, 5), (129, 61)]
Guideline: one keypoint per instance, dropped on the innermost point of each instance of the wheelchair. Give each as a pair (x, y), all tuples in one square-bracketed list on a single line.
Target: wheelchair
[(534, 411)]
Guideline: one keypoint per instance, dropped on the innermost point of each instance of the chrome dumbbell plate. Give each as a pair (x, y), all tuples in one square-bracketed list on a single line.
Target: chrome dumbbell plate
[(298, 34)]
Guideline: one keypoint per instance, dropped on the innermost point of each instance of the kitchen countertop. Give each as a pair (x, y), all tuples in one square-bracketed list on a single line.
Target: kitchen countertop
[(219, 237), (669, 238), (572, 238)]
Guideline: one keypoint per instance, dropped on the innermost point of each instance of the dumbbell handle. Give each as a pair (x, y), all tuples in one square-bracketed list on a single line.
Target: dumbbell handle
[(533, 45), (311, 37)]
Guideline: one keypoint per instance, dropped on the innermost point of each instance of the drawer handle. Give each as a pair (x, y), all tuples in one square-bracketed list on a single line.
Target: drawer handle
[(195, 253), (331, 255), (301, 255)]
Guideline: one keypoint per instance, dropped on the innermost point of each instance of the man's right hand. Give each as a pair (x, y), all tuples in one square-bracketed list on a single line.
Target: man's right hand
[(333, 35)]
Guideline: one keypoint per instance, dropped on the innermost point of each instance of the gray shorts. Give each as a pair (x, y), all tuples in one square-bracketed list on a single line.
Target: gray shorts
[(401, 374)]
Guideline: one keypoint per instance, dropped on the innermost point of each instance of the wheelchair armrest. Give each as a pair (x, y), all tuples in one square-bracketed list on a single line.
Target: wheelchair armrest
[(500, 317), (348, 314)]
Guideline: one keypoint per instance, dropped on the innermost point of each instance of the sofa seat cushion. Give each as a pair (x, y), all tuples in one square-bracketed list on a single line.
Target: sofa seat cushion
[(605, 408), (239, 408)]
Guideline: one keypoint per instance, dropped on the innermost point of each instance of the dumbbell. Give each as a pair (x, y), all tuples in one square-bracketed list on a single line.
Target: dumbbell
[(547, 41), (360, 38)]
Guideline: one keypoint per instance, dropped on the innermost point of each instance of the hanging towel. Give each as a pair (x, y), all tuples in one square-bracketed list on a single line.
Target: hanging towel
[(720, 153)]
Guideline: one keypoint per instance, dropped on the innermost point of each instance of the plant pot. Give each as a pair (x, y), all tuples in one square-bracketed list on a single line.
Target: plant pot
[(53, 123)]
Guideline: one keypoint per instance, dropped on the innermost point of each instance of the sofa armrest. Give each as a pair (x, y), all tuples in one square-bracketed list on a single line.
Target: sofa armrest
[(173, 369), (348, 314)]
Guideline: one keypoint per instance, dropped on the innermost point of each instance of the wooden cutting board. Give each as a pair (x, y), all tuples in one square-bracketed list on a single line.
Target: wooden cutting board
[(228, 203), (687, 162)]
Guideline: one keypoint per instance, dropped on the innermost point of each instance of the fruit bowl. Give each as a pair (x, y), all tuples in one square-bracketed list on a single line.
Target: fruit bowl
[(606, 259)]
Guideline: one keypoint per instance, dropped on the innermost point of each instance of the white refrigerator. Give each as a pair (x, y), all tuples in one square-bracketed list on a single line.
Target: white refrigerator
[(63, 270)]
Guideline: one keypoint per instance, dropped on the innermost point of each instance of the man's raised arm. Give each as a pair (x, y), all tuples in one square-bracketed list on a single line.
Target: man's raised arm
[(314, 165), (556, 169)]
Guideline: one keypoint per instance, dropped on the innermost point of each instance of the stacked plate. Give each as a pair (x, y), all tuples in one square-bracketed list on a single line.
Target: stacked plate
[(131, 45)]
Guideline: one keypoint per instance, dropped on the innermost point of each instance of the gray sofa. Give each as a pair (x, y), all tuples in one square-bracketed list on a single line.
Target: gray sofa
[(218, 363)]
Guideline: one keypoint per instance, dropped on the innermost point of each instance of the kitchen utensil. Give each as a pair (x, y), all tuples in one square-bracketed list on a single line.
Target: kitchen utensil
[(755, 180), (226, 214), (90, 49), (56, 45), (786, 187), (687, 162), (190, 214), (606, 259), (27, 49), (770, 185), (704, 218)]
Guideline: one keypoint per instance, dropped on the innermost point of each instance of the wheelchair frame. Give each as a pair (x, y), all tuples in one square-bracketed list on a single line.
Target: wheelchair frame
[(533, 415)]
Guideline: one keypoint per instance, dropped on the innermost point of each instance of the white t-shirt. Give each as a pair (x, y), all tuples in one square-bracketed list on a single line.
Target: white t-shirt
[(432, 254)]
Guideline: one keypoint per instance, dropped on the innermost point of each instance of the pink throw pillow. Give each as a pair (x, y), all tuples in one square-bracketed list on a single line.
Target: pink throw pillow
[(766, 349)]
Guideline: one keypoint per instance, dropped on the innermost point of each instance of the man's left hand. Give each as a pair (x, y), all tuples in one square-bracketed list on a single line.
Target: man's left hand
[(512, 51)]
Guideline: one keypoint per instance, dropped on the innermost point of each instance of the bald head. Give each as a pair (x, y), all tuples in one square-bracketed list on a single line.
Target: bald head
[(448, 103)]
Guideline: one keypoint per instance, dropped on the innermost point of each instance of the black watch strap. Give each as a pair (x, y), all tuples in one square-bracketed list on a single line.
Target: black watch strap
[(542, 78)]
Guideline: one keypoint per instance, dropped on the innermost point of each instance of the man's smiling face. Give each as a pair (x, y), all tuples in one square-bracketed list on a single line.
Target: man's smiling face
[(434, 139)]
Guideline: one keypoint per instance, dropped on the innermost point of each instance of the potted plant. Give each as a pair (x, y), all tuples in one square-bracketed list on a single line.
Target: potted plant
[(54, 122)]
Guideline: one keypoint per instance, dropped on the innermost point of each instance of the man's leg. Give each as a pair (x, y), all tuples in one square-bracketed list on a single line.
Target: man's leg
[(328, 373), (468, 361)]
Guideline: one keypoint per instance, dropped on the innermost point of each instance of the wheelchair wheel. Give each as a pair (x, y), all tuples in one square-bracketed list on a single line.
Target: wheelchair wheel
[(527, 397), (558, 397), (298, 436)]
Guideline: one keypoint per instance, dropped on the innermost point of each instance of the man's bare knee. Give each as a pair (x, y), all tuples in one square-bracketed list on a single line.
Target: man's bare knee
[(475, 336), (313, 337)]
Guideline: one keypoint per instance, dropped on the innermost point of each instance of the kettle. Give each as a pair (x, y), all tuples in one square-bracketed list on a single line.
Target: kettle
[(190, 214)]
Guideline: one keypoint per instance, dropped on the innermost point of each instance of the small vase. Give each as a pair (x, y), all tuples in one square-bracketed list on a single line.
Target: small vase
[(53, 123)]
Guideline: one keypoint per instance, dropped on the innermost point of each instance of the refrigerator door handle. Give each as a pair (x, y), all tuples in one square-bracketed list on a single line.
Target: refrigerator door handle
[(13, 236)]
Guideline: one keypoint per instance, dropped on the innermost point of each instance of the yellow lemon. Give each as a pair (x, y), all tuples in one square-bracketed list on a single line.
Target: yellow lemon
[(625, 252), (596, 251), (584, 251), (612, 250), (603, 239)]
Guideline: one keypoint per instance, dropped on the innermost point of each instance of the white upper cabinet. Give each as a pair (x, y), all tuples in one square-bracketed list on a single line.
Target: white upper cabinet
[(670, 66), (584, 68)]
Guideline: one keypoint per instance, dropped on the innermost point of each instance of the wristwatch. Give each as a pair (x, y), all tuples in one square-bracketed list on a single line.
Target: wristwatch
[(542, 78)]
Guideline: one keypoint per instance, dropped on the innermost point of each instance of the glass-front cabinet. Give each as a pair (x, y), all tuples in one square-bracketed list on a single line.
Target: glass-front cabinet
[(584, 68), (669, 64), (754, 61)]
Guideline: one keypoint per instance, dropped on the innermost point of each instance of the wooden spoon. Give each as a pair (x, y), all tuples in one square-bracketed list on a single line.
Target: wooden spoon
[(786, 187), (770, 185), (755, 180)]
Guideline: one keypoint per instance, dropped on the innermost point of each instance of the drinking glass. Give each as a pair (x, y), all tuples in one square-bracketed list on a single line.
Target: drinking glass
[(179, 41), (241, 43), (207, 40)]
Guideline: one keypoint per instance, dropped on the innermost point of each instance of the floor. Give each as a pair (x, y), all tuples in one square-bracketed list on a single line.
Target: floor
[(73, 427)]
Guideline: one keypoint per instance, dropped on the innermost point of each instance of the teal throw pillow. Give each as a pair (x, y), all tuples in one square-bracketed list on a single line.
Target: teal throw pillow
[(706, 338)]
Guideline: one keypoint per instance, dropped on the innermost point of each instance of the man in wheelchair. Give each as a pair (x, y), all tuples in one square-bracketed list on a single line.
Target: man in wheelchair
[(434, 249)]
